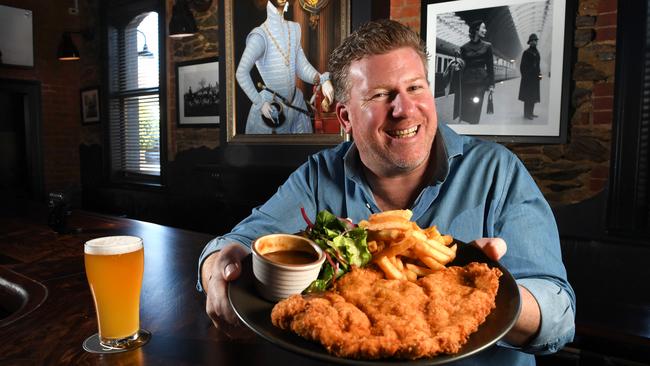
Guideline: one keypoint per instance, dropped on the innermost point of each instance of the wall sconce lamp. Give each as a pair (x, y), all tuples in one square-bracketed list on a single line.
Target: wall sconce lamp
[(145, 50), (67, 50)]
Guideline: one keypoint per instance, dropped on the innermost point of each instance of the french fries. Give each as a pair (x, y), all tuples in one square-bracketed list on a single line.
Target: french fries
[(402, 249)]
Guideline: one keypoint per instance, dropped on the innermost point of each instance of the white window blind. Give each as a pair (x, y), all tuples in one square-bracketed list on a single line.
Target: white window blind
[(134, 99)]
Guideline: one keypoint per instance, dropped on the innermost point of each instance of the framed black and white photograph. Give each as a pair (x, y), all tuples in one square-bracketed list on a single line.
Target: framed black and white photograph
[(90, 112), (197, 93), (500, 68)]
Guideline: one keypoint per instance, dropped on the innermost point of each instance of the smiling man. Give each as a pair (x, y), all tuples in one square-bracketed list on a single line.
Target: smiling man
[(392, 117), (402, 159)]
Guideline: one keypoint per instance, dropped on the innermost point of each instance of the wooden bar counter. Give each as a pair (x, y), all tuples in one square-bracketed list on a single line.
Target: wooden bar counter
[(171, 309)]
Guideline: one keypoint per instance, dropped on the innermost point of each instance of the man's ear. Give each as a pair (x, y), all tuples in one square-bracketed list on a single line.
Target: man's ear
[(344, 117)]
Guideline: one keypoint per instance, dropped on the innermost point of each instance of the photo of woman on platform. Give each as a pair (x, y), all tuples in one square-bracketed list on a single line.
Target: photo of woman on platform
[(477, 74)]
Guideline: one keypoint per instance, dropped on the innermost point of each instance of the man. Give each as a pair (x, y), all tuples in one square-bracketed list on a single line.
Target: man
[(400, 159), (530, 77), (274, 47)]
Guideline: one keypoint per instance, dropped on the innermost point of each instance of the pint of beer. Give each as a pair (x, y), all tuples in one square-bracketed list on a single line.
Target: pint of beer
[(114, 267)]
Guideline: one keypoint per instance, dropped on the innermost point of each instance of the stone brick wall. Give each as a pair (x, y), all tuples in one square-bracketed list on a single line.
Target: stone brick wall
[(571, 172), (202, 45), (407, 12)]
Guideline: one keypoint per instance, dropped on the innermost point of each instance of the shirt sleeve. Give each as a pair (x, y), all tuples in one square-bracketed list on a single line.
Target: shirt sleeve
[(255, 47), (280, 214), (304, 69), (213, 246), (525, 221)]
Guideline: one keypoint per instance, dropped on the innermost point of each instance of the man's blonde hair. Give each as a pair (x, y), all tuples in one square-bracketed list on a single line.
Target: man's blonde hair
[(372, 38)]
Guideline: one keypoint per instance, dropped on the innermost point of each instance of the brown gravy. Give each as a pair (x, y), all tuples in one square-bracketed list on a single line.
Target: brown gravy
[(291, 257)]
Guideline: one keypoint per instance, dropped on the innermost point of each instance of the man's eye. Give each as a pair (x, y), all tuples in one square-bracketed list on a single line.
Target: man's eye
[(415, 87), (380, 95)]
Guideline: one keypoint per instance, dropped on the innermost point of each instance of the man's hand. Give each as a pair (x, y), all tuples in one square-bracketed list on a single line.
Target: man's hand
[(267, 110), (494, 248), (328, 91), (529, 320), (218, 269)]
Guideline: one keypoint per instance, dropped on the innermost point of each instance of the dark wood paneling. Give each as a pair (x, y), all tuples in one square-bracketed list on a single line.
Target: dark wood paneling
[(628, 208)]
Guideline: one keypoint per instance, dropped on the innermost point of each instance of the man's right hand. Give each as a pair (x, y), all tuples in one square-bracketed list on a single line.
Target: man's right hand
[(217, 270), (267, 110)]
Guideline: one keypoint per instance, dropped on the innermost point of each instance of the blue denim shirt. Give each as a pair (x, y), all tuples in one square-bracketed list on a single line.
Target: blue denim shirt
[(480, 189)]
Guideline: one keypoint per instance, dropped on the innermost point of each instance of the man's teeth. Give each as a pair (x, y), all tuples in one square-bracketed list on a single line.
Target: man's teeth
[(404, 133)]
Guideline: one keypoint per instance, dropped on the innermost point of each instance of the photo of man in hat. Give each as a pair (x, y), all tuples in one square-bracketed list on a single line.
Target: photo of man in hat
[(530, 77)]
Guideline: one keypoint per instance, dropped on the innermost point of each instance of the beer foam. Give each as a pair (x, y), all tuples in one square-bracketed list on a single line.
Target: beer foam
[(112, 245)]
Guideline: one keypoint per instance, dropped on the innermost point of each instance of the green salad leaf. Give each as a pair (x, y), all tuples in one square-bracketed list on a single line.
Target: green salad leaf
[(344, 243)]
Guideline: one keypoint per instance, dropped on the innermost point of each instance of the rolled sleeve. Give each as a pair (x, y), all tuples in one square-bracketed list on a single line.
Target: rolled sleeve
[(557, 326)]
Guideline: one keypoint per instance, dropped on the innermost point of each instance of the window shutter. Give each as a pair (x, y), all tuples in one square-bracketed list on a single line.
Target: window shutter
[(134, 102)]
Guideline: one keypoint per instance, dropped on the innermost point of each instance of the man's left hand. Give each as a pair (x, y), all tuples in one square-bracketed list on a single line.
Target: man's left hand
[(494, 248)]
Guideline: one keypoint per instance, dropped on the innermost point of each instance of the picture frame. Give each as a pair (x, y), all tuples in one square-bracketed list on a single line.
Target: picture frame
[(320, 34), (17, 41), (198, 93), (90, 105), (511, 26)]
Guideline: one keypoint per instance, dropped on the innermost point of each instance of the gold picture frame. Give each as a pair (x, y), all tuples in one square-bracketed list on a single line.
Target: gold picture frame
[(329, 27)]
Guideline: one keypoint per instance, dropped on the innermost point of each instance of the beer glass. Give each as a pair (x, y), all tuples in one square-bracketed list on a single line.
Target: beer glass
[(114, 268)]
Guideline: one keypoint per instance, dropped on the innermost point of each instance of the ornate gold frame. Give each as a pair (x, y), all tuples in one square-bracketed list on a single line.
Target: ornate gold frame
[(231, 108)]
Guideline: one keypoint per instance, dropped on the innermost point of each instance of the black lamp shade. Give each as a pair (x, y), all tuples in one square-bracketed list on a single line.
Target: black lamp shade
[(182, 23), (67, 50)]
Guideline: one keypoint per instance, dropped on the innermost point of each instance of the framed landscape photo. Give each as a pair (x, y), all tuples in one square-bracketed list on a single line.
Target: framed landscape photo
[(197, 93), (90, 111), (500, 69)]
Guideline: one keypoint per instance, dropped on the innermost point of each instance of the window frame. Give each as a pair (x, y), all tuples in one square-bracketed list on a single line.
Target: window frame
[(119, 13)]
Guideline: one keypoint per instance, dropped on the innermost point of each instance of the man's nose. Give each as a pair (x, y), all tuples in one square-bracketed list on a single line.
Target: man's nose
[(403, 105)]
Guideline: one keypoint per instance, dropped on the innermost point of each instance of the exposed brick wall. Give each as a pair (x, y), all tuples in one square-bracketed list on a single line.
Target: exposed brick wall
[(407, 12), (60, 84), (579, 169)]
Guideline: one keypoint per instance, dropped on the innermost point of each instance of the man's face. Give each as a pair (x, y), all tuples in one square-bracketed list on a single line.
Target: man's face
[(390, 112), (278, 3)]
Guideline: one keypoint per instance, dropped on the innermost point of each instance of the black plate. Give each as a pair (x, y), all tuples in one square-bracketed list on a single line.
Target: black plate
[(255, 312)]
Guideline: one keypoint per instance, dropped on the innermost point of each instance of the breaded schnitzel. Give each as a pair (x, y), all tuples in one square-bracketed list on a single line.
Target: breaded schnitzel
[(366, 316)]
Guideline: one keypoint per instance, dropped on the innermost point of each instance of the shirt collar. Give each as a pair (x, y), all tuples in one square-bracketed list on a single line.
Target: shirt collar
[(352, 164), (272, 11), (447, 145)]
